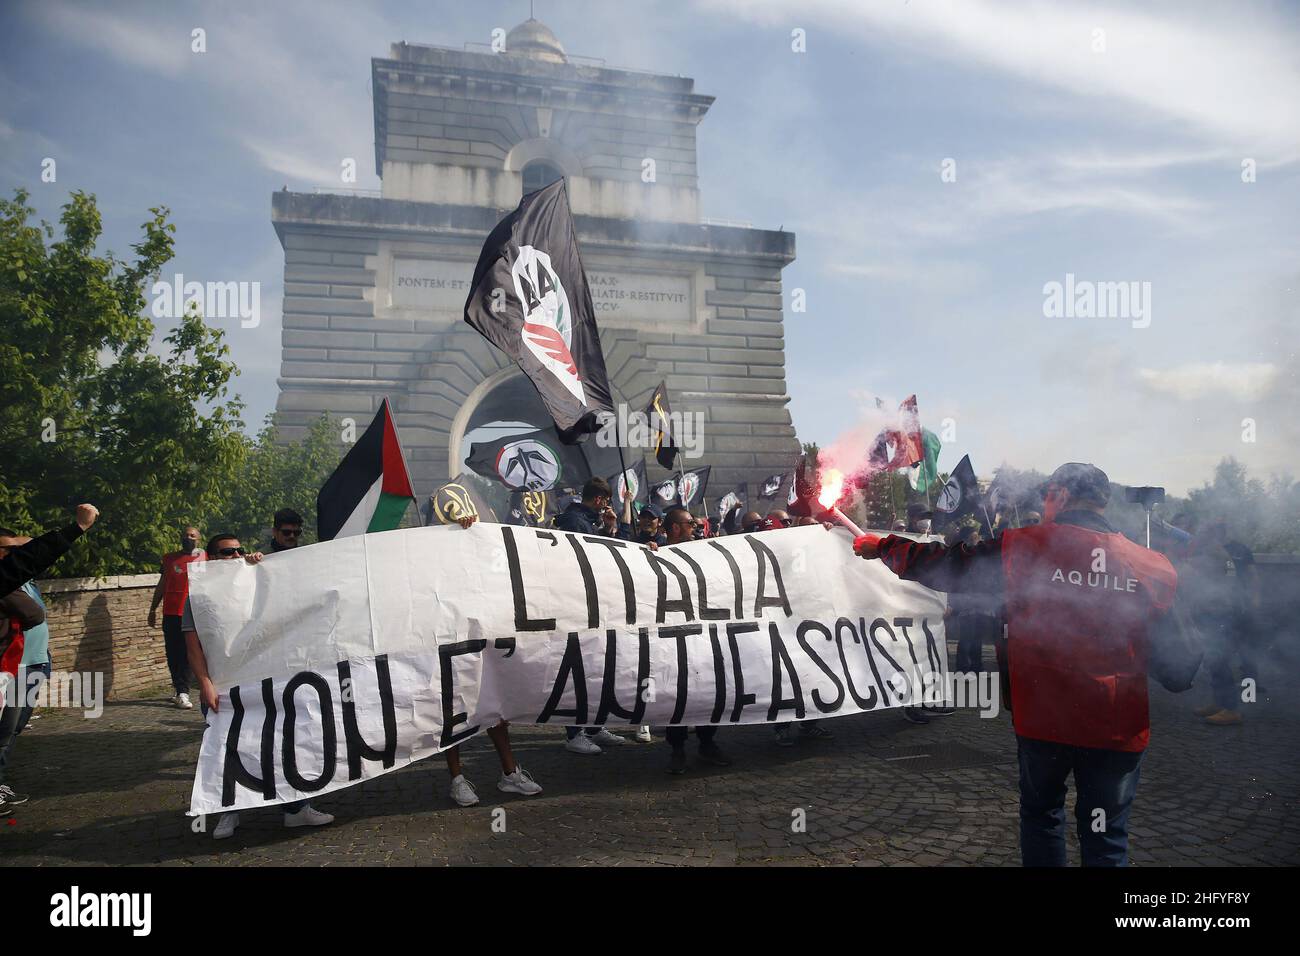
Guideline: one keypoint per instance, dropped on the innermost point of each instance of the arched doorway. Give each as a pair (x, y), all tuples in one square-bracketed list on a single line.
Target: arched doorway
[(503, 405)]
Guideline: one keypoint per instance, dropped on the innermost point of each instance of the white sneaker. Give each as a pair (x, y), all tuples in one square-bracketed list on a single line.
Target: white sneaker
[(183, 702), (581, 744), (607, 738), (644, 736), (519, 782), (462, 791), (226, 826), (307, 817)]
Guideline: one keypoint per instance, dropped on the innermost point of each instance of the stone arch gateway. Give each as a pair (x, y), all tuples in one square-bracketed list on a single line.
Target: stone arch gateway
[(375, 285)]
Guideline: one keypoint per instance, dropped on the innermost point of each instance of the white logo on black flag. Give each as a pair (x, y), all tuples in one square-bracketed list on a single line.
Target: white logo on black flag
[(530, 299), (958, 496), (772, 484)]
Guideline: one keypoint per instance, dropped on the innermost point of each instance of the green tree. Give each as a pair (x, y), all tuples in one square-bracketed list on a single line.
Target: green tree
[(87, 412), (278, 475)]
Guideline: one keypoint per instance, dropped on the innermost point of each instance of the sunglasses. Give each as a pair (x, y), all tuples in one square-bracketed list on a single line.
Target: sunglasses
[(230, 552), (290, 532)]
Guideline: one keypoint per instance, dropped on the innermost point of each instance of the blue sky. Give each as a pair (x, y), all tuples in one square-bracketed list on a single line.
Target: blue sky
[(1112, 156)]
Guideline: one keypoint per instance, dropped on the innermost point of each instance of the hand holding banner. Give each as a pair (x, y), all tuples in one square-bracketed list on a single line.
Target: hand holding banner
[(345, 660)]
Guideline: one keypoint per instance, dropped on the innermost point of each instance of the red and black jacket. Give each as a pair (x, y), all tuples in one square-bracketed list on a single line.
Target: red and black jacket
[(1080, 599)]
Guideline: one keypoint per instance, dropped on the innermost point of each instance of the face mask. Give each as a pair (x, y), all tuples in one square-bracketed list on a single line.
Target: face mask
[(189, 544)]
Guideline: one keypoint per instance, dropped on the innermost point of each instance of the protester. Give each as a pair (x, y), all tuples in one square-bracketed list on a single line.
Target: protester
[(919, 520), (648, 530), (172, 590), (776, 519), (34, 668), (298, 813), (1080, 602), (593, 515), (286, 530), (648, 533), (18, 613), (972, 620), (27, 562), (680, 528), (751, 521), (1222, 588), (514, 778)]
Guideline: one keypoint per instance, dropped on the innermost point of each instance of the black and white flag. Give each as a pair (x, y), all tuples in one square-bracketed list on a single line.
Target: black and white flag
[(634, 480), (773, 484), (532, 461), (687, 489), (530, 299), (961, 494)]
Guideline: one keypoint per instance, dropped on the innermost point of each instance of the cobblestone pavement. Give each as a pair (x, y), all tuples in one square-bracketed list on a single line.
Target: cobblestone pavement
[(881, 793)]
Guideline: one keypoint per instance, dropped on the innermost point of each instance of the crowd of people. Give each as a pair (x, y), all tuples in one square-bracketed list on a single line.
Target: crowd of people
[(1070, 605)]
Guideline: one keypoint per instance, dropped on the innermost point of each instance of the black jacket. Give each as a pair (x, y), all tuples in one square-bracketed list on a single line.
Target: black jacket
[(583, 520), (27, 562)]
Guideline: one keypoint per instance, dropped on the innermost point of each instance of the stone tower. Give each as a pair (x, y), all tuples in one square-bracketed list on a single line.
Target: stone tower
[(375, 285)]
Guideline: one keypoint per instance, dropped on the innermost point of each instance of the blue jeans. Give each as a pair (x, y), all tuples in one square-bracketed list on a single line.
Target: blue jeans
[(1104, 780)]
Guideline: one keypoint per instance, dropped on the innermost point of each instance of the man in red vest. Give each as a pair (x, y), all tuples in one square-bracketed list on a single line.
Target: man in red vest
[(172, 590), (1080, 601)]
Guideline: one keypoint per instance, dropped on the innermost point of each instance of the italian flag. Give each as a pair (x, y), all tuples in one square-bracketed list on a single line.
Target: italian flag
[(370, 490)]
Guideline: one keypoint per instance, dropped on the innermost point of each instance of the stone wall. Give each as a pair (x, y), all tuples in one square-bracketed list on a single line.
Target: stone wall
[(348, 341), (102, 626)]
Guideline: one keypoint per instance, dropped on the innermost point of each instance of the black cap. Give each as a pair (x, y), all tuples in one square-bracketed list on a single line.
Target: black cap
[(652, 510), (1082, 481), (918, 510)]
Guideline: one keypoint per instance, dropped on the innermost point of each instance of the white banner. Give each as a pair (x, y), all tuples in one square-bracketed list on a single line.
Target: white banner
[(344, 660)]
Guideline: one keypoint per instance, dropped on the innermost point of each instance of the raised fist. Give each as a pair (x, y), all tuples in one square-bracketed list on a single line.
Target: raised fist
[(86, 515)]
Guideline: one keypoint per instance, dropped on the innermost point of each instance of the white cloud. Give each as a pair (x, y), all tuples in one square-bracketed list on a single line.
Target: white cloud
[(1211, 69), (140, 41), (1246, 381)]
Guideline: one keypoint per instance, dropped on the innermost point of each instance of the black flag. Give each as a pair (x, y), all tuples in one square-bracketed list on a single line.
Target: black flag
[(635, 480), (532, 461), (691, 486), (531, 300), (664, 493), (773, 484), (960, 495), (659, 417)]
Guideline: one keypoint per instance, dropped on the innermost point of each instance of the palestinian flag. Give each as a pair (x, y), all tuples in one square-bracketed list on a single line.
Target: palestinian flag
[(370, 489), (924, 473), (899, 446)]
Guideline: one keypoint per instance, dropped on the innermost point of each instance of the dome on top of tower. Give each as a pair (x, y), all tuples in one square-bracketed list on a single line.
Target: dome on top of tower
[(535, 39)]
